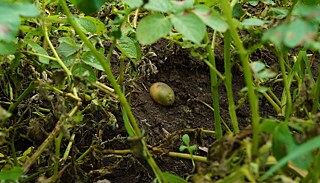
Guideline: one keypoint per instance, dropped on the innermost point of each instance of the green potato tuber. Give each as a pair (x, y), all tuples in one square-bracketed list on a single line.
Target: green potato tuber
[(162, 93)]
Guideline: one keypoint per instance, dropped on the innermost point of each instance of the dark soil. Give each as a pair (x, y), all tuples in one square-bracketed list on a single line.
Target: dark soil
[(163, 126)]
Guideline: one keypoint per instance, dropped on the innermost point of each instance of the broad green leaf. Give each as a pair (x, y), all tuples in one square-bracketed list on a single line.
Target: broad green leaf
[(86, 25), (129, 47), (278, 13), (257, 66), (9, 25), (297, 152), (159, 5), (84, 71), (266, 73), (38, 49), (67, 46), (282, 141), (7, 48), (99, 26), (25, 9), (211, 18), (89, 59), (237, 11), (275, 35), (299, 32), (190, 26), (173, 178), (152, 27), (133, 3), (309, 12), (11, 175), (253, 22), (254, 3), (268, 126), (88, 7), (181, 5)]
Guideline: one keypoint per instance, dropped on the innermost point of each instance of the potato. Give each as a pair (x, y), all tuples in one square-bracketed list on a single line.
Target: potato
[(162, 93)]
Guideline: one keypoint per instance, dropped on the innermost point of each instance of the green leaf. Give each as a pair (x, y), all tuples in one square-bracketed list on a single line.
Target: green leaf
[(299, 32), (237, 11), (91, 60), (78, 117), (159, 5), (186, 139), (211, 18), (268, 126), (25, 9), (275, 35), (173, 178), (99, 26), (181, 5), (133, 3), (190, 26), (11, 175), (129, 47), (278, 13), (282, 141), (7, 48), (86, 25), (67, 46), (38, 49), (297, 152), (152, 27), (88, 7), (257, 66), (266, 73), (253, 22), (9, 25), (182, 148), (84, 71), (193, 148)]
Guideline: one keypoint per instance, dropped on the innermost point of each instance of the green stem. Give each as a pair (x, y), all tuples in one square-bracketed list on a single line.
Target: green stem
[(228, 81), (105, 63), (253, 99), (57, 154), (286, 84), (60, 62), (30, 88), (214, 87), (316, 94)]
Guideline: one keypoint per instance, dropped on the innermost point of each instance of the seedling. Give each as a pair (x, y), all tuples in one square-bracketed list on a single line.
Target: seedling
[(191, 148)]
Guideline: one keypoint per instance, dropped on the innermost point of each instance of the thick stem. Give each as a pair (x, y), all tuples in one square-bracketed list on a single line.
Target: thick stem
[(253, 99), (228, 81), (214, 88)]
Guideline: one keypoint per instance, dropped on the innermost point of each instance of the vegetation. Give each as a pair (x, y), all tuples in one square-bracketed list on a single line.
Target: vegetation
[(69, 72)]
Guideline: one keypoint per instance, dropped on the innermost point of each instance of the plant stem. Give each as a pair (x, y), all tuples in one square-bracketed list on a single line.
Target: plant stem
[(316, 94), (57, 154), (30, 88), (286, 84), (60, 62), (228, 81), (253, 99), (214, 87), (105, 63)]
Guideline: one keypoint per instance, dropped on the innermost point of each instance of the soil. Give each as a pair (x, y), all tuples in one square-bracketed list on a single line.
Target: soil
[(163, 126)]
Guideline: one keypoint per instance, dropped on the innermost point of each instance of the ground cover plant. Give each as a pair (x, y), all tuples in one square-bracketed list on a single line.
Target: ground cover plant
[(159, 91)]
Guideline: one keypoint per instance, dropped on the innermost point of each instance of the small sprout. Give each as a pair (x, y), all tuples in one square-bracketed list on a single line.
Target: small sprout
[(162, 93), (186, 146)]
